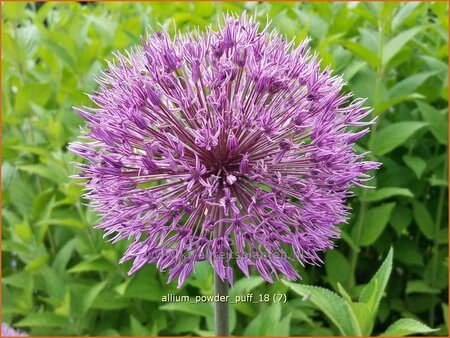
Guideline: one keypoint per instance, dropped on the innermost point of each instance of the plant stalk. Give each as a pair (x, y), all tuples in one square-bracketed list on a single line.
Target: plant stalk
[(221, 311), (435, 258), (364, 205)]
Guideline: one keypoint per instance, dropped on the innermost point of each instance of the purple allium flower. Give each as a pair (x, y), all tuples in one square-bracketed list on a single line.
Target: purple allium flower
[(220, 146), (8, 331)]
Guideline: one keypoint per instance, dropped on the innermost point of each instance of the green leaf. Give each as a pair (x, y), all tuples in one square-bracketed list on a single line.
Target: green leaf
[(443, 236), (143, 287), (349, 240), (24, 232), (360, 310), (137, 329), (96, 264), (18, 280), (420, 286), (37, 93), (409, 84), (374, 290), (108, 300), (433, 62), (269, 323), (43, 171), (393, 46), (438, 182), (64, 309), (43, 204), (8, 172), (352, 69), (203, 333), (362, 314), (416, 164), (407, 252), (37, 263), (13, 10), (344, 293), (384, 193), (187, 323), (245, 285), (362, 84), (403, 13), (23, 196), (379, 108), (89, 298), (121, 288), (394, 135), (406, 326), (283, 327), (437, 123), (364, 53), (31, 149), (108, 332), (445, 311), (423, 219), (61, 52), (63, 256), (54, 283), (332, 305), (374, 223), (337, 267), (401, 217), (69, 222), (43, 319), (202, 277)]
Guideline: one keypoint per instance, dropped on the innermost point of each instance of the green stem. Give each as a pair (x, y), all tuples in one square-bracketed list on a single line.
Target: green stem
[(362, 208), (362, 213), (364, 205), (221, 312), (435, 261)]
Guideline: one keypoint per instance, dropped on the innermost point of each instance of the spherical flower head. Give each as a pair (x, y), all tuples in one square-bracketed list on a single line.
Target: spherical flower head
[(8, 331), (227, 146)]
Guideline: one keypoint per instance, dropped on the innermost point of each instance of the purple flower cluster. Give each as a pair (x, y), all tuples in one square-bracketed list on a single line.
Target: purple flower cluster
[(8, 331), (224, 141)]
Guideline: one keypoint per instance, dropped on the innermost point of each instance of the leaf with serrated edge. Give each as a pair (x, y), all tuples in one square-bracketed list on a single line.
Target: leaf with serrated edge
[(406, 326), (373, 291), (360, 310), (332, 305), (344, 293), (362, 314)]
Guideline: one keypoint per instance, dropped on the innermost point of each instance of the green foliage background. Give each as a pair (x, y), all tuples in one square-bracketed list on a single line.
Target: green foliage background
[(59, 277)]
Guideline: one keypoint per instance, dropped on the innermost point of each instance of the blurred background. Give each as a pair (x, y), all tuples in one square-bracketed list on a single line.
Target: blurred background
[(59, 277)]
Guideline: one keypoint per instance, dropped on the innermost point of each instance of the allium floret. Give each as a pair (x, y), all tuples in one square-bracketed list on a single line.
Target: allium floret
[(8, 331)]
